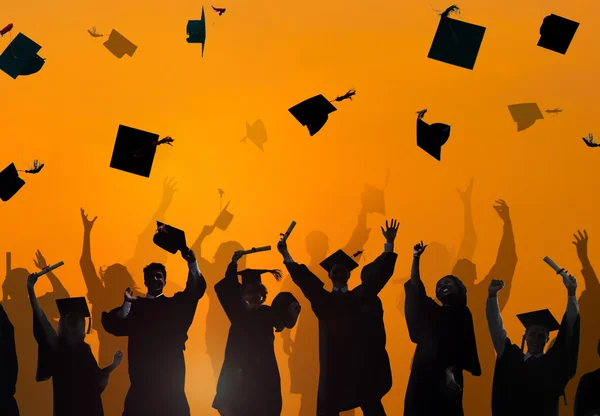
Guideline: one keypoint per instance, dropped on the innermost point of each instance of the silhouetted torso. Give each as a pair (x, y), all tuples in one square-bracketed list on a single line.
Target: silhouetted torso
[(157, 331), (8, 366), (587, 399)]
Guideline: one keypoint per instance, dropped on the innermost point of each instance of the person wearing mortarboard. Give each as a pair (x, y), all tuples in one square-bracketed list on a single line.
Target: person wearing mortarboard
[(346, 357), (445, 340), (9, 367), (587, 400), (531, 383), (77, 381), (250, 383), (157, 329)]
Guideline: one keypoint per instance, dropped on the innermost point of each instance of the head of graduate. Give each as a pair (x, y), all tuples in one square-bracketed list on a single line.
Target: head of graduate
[(339, 266), (155, 278), (71, 326), (254, 292), (451, 291), (538, 326)]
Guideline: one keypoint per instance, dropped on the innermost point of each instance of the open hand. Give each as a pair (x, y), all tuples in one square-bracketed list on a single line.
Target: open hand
[(581, 243), (40, 261), (129, 295), (390, 231), (502, 209), (168, 190), (466, 194), (495, 287), (188, 255), (87, 224), (117, 358), (418, 249)]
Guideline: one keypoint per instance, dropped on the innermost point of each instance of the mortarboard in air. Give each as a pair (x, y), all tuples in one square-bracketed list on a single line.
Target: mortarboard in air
[(556, 33), (119, 45), (257, 133), (542, 318), (74, 307), (134, 151), (525, 115), (456, 43), (313, 113), (169, 238), (431, 137), (20, 57), (373, 200), (224, 219), (10, 182), (196, 31), (339, 258)]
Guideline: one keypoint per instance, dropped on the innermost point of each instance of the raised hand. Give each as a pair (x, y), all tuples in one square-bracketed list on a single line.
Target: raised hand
[(418, 249), (495, 287), (294, 309), (581, 243), (117, 358), (169, 190), (466, 194), (129, 295), (236, 256), (32, 280), (282, 246), (390, 231), (188, 255), (502, 209), (87, 224), (40, 261), (569, 281)]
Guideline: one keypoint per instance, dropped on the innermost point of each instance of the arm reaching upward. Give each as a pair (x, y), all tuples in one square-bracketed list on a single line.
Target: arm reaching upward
[(196, 283), (58, 290), (589, 275), (46, 334), (469, 241), (88, 270), (494, 318)]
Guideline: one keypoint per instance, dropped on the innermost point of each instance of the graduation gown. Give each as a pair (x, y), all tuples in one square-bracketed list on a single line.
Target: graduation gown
[(587, 398), (534, 387), (157, 331), (445, 338), (343, 339), (8, 366), (249, 383)]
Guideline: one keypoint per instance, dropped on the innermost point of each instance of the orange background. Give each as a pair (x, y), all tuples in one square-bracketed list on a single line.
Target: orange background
[(261, 58)]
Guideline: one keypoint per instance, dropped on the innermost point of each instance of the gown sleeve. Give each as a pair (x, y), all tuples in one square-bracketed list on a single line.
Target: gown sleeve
[(229, 293), (375, 275), (417, 308), (310, 285), (564, 352), (46, 354), (115, 325), (468, 359)]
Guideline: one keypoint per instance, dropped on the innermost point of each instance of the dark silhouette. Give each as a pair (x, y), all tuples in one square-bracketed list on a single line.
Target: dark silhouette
[(9, 366), (16, 304), (446, 344), (157, 329), (479, 390), (103, 292), (556, 33), (119, 45), (250, 384), (344, 367), (196, 31), (217, 323), (531, 383), (65, 357), (589, 308), (303, 349), (525, 115), (587, 400)]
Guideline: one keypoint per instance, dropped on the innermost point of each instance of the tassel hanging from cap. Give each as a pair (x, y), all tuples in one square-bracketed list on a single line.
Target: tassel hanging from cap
[(167, 140)]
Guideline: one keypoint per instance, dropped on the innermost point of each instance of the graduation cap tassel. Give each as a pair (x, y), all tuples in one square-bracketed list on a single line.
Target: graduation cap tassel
[(37, 167), (167, 140), (221, 193), (347, 96)]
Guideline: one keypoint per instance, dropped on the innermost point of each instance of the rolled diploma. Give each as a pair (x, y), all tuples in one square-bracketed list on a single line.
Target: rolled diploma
[(48, 269), (550, 263), (289, 231), (256, 250)]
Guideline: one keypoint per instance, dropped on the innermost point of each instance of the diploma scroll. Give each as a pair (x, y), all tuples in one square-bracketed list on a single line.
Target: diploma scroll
[(289, 231), (256, 250), (554, 266), (48, 269)]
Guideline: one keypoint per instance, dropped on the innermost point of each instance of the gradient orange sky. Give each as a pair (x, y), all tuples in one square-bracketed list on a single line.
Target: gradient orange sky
[(261, 58)]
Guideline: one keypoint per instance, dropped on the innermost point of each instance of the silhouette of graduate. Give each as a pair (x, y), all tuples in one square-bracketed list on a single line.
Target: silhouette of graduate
[(9, 366), (342, 337)]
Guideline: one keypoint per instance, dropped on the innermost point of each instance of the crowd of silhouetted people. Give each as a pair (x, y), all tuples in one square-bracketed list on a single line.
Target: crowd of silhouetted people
[(464, 362)]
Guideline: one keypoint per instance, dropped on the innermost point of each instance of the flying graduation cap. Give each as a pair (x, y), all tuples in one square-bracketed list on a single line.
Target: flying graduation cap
[(431, 137), (456, 42), (135, 149), (74, 307), (196, 31), (169, 238), (373, 199), (20, 57), (257, 133), (11, 183), (119, 45), (314, 112), (340, 258), (525, 115), (224, 219), (556, 33)]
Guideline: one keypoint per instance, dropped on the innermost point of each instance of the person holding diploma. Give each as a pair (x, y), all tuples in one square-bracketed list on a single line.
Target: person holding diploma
[(157, 329), (343, 339), (446, 344), (531, 383), (65, 357), (250, 383), (9, 366)]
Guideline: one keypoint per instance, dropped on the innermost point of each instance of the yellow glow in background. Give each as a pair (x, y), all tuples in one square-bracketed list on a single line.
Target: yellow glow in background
[(262, 57)]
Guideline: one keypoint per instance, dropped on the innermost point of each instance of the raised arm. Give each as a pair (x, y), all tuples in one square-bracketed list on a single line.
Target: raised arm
[(88, 270), (376, 275), (229, 290), (58, 290), (572, 309), (116, 322), (589, 275), (196, 284), (105, 372), (494, 318), (506, 260), (43, 331), (469, 241)]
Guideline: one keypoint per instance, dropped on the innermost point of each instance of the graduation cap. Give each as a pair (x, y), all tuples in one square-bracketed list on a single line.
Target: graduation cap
[(257, 133), (525, 115), (339, 258), (556, 33), (169, 238), (135, 149), (224, 219), (542, 318), (456, 43), (253, 276), (196, 30), (313, 113), (119, 45), (281, 305), (10, 183), (74, 307), (21, 58), (373, 200), (431, 137)]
